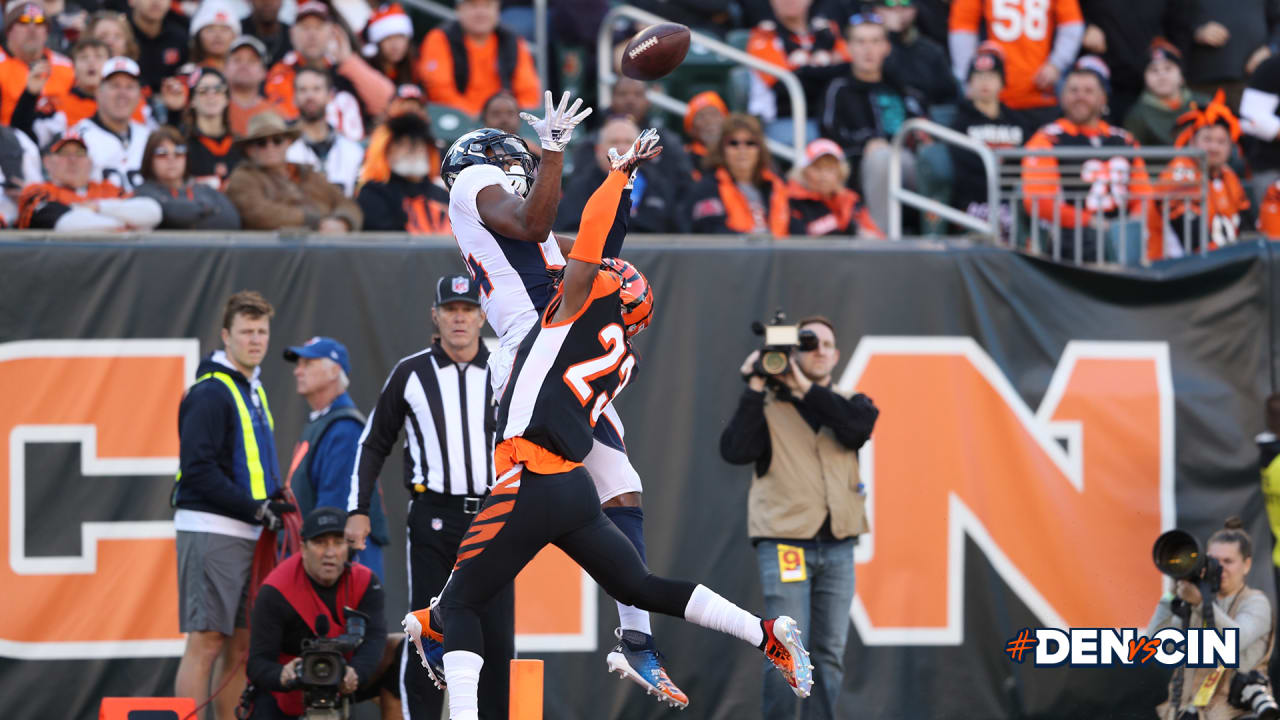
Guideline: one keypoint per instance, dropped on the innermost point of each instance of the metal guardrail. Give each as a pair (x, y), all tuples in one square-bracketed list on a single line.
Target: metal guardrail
[(1120, 206), (899, 195), (606, 78), (1126, 203), (539, 28)]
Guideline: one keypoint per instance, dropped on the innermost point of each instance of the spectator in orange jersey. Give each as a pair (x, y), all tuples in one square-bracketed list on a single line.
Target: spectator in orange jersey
[(703, 122), (1039, 40), (70, 202), (739, 192), (26, 65), (466, 61), (820, 202), (44, 118), (408, 201), (806, 43), (390, 35), (1214, 130), (1108, 188), (246, 69), (213, 29), (318, 42)]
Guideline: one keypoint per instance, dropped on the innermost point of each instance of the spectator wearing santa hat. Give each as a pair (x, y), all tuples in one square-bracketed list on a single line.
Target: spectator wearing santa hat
[(390, 48), (213, 29)]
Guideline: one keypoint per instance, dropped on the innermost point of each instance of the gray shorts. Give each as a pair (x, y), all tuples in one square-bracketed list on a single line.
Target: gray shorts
[(213, 581)]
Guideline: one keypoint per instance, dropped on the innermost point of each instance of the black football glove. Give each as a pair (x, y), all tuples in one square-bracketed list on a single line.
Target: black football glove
[(269, 513)]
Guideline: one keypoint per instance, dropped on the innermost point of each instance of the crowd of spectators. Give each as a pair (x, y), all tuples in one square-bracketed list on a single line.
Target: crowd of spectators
[(191, 103)]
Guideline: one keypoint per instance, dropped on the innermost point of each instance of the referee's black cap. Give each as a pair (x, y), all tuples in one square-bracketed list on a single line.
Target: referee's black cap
[(457, 288)]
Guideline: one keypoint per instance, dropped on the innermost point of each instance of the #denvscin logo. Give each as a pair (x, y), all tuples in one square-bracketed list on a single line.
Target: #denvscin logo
[(1193, 647)]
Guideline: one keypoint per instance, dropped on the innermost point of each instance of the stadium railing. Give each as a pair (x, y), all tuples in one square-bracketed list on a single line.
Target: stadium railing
[(605, 76), (1086, 179)]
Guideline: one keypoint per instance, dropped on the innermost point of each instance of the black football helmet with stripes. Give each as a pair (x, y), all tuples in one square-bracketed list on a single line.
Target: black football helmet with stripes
[(489, 146)]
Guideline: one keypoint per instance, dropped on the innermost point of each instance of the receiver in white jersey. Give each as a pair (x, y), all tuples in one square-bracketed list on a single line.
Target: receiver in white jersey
[(515, 277)]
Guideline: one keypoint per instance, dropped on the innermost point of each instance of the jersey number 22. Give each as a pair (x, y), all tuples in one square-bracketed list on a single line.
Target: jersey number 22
[(580, 376)]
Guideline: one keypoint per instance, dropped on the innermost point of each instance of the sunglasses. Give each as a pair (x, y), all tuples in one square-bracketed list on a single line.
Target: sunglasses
[(896, 3), (28, 19), (265, 142), (81, 153), (866, 18), (211, 89), (742, 143), (177, 151)]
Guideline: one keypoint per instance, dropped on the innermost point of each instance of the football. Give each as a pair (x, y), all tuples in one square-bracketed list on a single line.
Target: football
[(655, 51)]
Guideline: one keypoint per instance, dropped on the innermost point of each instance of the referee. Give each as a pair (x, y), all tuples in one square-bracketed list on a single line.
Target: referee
[(442, 399)]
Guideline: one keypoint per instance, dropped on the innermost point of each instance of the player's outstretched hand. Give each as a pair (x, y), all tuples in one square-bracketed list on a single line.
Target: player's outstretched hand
[(555, 129), (645, 147)]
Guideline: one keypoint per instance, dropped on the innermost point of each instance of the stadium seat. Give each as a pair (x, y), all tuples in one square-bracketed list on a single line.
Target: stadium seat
[(738, 38), (449, 124), (155, 708)]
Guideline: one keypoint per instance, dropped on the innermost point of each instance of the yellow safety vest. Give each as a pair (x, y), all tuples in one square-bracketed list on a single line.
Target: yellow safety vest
[(253, 458), (1271, 493)]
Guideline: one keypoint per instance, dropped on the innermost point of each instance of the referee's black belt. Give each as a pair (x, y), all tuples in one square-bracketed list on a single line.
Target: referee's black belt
[(469, 504)]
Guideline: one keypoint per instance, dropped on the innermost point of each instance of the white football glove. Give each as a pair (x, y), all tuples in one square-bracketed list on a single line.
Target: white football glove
[(645, 147), (555, 129)]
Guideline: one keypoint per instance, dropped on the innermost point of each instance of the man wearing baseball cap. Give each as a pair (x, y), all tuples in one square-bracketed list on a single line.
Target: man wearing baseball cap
[(320, 473), (309, 595), (246, 70), (441, 398), (26, 64), (71, 202), (116, 142)]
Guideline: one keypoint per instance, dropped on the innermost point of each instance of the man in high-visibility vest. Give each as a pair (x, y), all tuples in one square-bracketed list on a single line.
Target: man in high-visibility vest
[(228, 489), (1269, 464)]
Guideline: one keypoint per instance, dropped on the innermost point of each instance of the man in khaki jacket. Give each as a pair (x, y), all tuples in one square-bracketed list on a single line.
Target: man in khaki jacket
[(804, 509), (271, 193)]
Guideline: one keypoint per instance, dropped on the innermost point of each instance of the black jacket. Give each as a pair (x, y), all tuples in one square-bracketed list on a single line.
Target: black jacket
[(970, 184), (854, 112), (400, 205), (1130, 26), (277, 630), (653, 204), (278, 44), (746, 438), (1252, 24), (159, 56), (914, 63)]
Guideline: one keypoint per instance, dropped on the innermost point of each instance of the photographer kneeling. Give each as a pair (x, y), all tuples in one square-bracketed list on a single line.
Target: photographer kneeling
[(308, 596), (804, 507), (1234, 606)]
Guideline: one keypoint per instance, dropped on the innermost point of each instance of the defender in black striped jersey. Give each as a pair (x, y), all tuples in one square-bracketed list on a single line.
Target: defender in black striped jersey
[(567, 370), (502, 225)]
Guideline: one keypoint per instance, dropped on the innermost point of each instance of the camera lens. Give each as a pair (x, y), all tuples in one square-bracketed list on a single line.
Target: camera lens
[(773, 362), (322, 670)]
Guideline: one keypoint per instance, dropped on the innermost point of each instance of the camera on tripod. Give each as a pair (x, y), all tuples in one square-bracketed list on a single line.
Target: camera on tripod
[(324, 665), (779, 340)]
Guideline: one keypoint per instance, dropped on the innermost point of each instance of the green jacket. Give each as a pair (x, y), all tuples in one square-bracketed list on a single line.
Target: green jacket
[(1152, 121)]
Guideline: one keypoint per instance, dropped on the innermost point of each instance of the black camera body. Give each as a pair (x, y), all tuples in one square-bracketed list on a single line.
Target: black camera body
[(324, 662), (1251, 691), (780, 339)]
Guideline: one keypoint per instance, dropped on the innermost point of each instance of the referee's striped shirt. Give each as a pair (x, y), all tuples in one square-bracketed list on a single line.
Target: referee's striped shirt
[(445, 410)]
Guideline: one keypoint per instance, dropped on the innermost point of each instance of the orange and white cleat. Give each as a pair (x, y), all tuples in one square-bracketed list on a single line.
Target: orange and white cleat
[(431, 648), (782, 647), (636, 659)]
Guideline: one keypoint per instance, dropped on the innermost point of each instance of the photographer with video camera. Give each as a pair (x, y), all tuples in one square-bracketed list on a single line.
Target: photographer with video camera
[(1210, 591), (805, 508), (319, 631)]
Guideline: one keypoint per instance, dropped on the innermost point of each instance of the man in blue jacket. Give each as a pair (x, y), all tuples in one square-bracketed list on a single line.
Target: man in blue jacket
[(324, 457), (228, 489)]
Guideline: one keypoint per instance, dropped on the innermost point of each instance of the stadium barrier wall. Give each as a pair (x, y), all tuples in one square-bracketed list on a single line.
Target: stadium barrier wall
[(1040, 426)]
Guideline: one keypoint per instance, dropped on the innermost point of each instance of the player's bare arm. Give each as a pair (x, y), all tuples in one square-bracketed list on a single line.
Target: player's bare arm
[(597, 217), (530, 219)]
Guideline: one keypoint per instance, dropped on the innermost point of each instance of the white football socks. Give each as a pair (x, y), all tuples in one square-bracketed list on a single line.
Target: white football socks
[(632, 618), (462, 672), (709, 610)]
